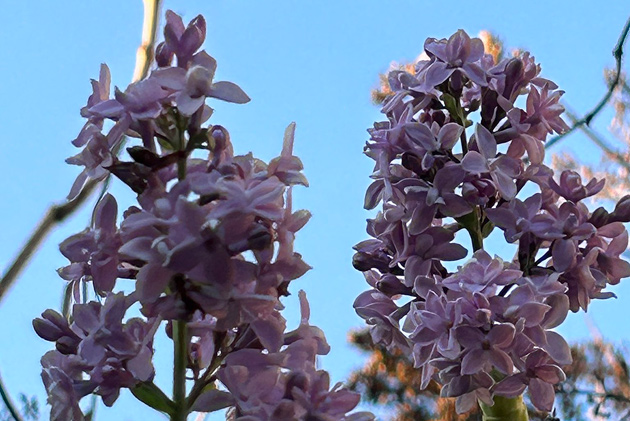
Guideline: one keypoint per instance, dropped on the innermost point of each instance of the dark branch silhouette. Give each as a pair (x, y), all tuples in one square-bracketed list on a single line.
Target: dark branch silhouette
[(59, 213), (586, 120)]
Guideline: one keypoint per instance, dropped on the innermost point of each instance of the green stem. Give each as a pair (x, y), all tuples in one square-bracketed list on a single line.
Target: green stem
[(505, 409), (181, 168), (472, 224), (180, 344)]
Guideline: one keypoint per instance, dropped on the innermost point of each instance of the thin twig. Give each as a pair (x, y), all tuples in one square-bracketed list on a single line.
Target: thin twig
[(601, 143), (58, 213), (586, 120), (9, 403), (613, 396), (54, 215)]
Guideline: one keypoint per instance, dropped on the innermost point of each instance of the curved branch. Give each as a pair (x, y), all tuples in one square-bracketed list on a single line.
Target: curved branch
[(54, 215), (9, 403), (601, 143), (59, 213), (586, 120), (146, 51)]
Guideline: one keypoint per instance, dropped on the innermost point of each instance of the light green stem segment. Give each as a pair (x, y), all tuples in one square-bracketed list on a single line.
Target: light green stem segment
[(505, 409), (179, 370)]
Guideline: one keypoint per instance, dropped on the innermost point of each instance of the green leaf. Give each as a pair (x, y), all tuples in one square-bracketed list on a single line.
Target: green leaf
[(487, 229), (67, 300), (151, 395), (199, 141), (451, 104)]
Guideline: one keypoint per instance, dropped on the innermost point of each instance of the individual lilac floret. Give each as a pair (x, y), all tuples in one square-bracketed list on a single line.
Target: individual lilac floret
[(93, 253), (483, 350), (180, 41), (571, 187), (62, 379), (459, 54), (190, 88), (482, 274), (538, 375)]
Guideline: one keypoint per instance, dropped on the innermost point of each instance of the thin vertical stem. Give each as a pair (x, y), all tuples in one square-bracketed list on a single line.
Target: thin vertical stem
[(180, 358)]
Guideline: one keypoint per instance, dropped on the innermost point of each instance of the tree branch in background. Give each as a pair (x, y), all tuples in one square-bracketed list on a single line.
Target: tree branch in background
[(586, 120), (8, 402), (598, 140), (146, 51), (59, 213), (598, 383)]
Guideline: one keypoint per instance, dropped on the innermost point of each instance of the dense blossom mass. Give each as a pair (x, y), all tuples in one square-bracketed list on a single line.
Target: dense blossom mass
[(209, 245), (463, 139)]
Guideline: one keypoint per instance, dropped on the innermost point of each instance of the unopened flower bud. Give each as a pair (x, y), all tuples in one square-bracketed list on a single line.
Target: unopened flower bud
[(599, 217), (364, 262), (390, 285), (622, 210), (193, 37)]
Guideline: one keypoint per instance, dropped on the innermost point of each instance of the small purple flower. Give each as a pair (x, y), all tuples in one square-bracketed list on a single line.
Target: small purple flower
[(95, 157), (482, 274), (180, 41), (191, 87), (502, 169), (539, 375), (93, 253), (111, 353), (482, 348), (571, 187), (460, 53)]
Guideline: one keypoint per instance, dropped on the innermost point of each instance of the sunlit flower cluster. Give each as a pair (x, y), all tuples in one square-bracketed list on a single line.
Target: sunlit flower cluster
[(464, 136)]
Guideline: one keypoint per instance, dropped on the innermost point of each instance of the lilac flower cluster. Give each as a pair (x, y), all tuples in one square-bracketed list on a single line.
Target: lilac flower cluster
[(450, 158), (286, 385), (208, 248)]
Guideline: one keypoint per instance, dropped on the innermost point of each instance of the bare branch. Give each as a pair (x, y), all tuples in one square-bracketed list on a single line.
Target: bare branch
[(601, 143), (9, 403), (586, 120), (58, 213)]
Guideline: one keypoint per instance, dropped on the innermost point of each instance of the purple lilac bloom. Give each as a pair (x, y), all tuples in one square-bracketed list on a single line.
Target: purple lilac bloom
[(208, 252), (449, 158)]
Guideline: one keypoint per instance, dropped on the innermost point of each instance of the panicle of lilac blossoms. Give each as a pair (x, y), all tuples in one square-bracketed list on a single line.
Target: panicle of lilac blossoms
[(207, 251), (449, 157)]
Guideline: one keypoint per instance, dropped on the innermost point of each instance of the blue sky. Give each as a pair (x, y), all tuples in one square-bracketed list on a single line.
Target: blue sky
[(310, 62)]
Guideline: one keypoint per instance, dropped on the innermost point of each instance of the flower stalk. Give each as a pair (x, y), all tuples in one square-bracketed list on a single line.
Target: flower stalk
[(180, 359), (505, 409)]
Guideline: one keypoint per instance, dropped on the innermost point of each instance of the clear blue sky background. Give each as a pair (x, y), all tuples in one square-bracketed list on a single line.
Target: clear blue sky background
[(305, 61)]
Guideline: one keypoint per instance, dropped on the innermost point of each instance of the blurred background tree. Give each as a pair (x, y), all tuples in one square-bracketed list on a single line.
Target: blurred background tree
[(597, 385), (598, 381)]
